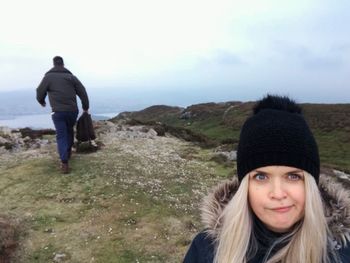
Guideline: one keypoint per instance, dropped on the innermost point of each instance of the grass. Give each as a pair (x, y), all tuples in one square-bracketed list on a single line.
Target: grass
[(330, 123), (334, 147), (134, 201), (334, 144), (213, 127)]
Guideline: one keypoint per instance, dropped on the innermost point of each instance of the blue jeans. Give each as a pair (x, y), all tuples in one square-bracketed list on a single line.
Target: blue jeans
[(64, 122)]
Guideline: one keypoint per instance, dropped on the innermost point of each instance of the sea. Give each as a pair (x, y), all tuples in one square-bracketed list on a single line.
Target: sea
[(42, 121), (19, 108)]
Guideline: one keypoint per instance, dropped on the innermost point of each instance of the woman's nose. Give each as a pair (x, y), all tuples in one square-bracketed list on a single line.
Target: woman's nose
[(277, 190)]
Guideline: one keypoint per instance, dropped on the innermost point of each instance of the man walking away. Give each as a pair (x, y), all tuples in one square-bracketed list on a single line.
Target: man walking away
[(62, 87)]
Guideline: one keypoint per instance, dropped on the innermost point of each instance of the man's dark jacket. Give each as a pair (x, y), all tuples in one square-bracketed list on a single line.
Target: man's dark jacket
[(62, 87)]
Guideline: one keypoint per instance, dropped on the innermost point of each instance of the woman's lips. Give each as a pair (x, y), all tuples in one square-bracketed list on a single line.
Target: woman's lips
[(282, 209)]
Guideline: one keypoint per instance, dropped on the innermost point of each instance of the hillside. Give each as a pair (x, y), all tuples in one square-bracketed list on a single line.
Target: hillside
[(136, 199), (221, 122)]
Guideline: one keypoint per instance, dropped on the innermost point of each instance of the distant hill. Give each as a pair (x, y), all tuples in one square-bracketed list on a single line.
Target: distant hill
[(221, 123), (153, 113)]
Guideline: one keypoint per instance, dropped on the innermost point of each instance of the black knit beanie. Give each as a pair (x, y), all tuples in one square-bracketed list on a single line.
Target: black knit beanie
[(277, 134)]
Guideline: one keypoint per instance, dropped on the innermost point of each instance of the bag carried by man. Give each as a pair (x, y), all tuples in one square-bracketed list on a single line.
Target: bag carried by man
[(85, 130)]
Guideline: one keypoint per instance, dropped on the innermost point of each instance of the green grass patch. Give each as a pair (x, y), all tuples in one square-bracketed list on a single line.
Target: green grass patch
[(116, 205), (334, 147)]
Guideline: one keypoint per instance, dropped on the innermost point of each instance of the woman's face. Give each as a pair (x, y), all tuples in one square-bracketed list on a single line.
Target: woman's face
[(277, 196)]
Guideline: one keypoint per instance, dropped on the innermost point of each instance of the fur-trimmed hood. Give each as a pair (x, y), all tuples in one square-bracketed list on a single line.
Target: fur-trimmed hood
[(335, 197)]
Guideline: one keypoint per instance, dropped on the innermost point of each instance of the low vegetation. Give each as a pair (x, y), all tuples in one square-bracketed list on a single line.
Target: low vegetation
[(221, 123), (134, 200), (137, 198)]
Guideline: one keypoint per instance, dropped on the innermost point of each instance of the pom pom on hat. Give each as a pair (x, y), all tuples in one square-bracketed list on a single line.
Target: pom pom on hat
[(277, 103)]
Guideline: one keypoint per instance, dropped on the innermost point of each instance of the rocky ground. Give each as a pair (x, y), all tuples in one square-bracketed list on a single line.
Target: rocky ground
[(136, 199)]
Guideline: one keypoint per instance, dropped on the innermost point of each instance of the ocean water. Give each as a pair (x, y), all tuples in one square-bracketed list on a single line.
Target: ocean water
[(43, 121)]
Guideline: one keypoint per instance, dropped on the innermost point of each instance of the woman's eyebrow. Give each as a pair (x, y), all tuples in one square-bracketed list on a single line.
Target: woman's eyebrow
[(288, 172), (295, 171), (259, 171)]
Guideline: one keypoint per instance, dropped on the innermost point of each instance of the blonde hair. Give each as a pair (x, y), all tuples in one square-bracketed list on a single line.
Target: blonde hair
[(307, 242)]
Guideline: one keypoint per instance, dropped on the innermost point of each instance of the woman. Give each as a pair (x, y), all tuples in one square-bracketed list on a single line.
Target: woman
[(279, 208)]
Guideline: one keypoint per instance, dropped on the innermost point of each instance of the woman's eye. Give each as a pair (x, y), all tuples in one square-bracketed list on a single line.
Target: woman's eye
[(294, 177), (260, 177)]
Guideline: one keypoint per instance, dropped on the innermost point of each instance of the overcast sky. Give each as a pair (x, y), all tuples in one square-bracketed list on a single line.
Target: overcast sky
[(216, 50)]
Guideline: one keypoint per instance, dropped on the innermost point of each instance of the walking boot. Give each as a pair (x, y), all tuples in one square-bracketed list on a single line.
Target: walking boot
[(64, 168)]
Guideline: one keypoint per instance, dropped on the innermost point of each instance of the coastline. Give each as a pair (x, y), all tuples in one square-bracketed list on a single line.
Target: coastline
[(43, 121)]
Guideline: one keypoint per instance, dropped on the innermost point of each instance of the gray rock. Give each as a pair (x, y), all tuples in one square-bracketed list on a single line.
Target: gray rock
[(59, 257), (342, 175), (186, 115), (3, 150), (230, 156), (152, 133), (3, 140), (5, 130)]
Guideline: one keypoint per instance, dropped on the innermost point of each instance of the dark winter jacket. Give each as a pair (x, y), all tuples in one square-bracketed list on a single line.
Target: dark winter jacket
[(85, 130), (337, 204), (62, 87)]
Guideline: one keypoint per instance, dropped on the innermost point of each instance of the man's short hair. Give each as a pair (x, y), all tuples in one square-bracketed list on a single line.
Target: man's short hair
[(58, 61)]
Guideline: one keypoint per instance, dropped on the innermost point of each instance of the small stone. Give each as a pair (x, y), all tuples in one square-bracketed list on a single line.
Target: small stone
[(48, 230), (59, 257)]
